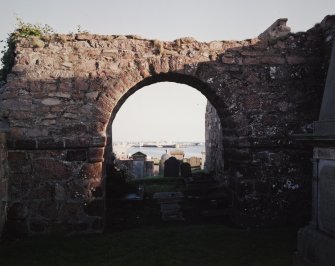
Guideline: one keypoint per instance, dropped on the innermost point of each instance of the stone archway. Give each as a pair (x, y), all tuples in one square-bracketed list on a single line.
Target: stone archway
[(169, 77), (60, 96)]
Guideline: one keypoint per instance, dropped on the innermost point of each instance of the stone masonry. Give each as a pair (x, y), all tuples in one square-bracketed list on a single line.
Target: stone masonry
[(64, 91), (213, 138), (3, 175)]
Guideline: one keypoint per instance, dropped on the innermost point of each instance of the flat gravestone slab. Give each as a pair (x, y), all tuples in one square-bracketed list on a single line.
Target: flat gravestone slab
[(168, 197), (326, 204), (173, 217), (169, 207)]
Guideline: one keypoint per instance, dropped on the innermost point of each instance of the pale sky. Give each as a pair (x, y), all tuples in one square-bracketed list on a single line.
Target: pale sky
[(206, 20)]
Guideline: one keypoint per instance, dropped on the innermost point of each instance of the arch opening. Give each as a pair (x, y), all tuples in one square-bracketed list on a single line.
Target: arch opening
[(213, 120), (213, 101)]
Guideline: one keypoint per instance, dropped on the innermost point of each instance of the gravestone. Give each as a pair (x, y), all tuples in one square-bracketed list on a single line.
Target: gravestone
[(171, 167), (327, 196), (185, 170), (178, 154), (169, 205), (316, 241), (139, 160), (195, 162), (162, 163)]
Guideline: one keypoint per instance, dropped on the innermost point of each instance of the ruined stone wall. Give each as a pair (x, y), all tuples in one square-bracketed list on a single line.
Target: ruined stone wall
[(214, 150), (64, 91), (3, 180)]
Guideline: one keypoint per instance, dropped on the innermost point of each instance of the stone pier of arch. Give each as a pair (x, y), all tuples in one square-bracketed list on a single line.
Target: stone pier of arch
[(64, 91)]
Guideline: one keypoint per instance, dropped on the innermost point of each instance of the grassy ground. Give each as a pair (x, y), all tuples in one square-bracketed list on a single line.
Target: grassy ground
[(161, 184), (160, 245), (137, 237)]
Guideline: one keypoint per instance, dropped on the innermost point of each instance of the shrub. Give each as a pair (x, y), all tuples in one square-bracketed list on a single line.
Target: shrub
[(23, 30)]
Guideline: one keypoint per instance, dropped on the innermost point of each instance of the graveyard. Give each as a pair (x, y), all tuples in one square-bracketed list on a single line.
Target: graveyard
[(164, 245), (140, 232), (268, 183), (159, 220)]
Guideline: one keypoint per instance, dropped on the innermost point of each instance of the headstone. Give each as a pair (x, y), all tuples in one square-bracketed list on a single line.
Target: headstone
[(162, 163), (178, 154), (316, 241), (171, 167), (139, 160), (327, 196), (138, 169), (195, 162), (185, 170), (149, 168), (169, 205)]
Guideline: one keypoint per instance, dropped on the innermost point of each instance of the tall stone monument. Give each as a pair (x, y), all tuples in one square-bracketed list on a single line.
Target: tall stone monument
[(316, 242)]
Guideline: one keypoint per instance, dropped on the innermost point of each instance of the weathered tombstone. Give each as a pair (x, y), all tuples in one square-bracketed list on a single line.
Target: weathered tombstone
[(149, 168), (185, 170), (139, 160), (171, 167), (164, 157), (316, 241), (195, 162), (178, 154)]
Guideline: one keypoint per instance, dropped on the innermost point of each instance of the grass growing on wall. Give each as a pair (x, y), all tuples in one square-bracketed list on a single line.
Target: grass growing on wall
[(23, 30)]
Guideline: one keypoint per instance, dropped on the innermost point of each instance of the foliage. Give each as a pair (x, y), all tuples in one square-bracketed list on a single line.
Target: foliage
[(81, 30), (23, 30)]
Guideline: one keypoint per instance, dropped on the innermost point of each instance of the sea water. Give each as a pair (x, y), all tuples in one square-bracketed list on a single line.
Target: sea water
[(157, 152)]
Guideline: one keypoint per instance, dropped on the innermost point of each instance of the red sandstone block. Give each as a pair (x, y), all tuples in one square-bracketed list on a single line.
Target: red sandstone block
[(50, 143), (47, 169), (15, 84), (76, 155), (295, 60), (3, 189), (98, 141), (20, 115), (252, 101), (17, 156), (96, 154), (251, 61), (65, 87), (24, 144), (91, 171), (275, 60), (97, 128), (17, 104), (2, 137), (36, 87), (18, 178), (42, 192), (84, 37), (80, 85), (9, 95), (228, 60), (77, 142), (252, 53)]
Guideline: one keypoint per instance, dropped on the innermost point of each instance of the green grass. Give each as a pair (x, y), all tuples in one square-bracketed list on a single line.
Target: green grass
[(161, 245), (161, 184)]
